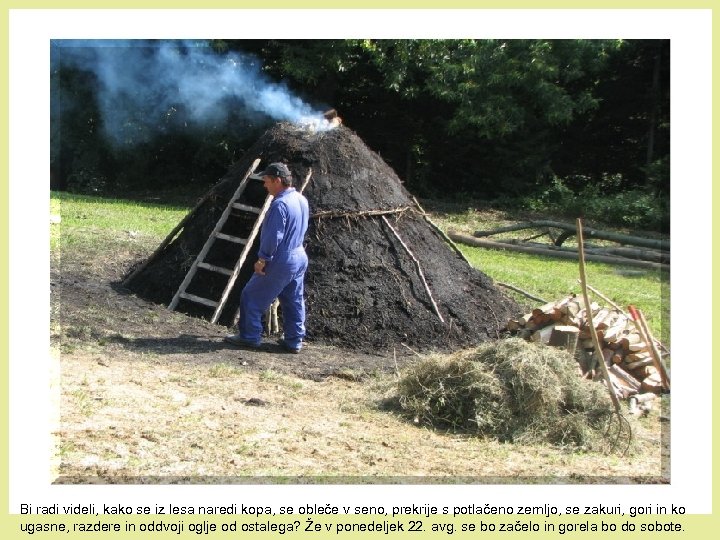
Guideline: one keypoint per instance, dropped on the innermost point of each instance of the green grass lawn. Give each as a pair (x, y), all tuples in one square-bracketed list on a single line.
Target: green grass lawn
[(88, 221), (115, 214)]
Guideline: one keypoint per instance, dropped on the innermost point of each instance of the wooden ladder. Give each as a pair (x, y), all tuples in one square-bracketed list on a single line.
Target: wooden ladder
[(217, 235)]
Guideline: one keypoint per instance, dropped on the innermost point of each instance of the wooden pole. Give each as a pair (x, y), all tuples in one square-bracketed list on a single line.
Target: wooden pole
[(588, 314), (644, 331)]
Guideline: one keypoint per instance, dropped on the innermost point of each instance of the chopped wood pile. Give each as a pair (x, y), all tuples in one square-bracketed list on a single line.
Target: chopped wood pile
[(635, 366)]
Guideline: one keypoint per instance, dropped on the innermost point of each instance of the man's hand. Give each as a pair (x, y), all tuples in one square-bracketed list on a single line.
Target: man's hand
[(260, 267)]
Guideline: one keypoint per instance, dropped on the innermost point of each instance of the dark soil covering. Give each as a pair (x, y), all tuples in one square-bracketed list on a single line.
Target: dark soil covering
[(363, 288)]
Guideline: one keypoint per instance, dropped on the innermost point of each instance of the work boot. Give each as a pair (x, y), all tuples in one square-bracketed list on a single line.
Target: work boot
[(287, 347), (238, 340)]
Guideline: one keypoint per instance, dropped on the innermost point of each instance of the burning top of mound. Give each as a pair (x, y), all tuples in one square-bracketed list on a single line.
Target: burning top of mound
[(380, 273)]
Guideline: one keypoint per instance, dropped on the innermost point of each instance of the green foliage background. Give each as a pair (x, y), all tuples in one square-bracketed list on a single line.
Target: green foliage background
[(580, 127)]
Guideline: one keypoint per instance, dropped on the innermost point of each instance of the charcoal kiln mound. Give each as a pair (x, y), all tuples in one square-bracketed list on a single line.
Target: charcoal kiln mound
[(380, 273)]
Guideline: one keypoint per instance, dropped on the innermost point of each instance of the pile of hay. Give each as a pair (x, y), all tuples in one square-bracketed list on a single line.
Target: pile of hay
[(511, 390)]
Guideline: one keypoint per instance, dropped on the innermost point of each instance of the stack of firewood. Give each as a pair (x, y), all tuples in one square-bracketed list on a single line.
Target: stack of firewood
[(628, 357)]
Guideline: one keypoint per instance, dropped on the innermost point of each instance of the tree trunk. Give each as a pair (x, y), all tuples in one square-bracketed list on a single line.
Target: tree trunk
[(480, 242), (590, 233), (654, 100)]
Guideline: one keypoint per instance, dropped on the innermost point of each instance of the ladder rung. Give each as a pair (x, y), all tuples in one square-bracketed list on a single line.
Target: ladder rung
[(246, 208), (235, 239), (214, 268), (198, 299)]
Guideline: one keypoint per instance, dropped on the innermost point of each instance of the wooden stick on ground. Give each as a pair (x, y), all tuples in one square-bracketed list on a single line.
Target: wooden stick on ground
[(519, 290), (601, 295), (419, 268), (411, 350)]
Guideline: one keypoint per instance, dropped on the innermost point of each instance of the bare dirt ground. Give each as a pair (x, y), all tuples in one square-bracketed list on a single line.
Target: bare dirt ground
[(147, 395)]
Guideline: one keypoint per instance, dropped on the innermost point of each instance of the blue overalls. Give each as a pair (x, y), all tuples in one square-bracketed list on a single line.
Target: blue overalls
[(281, 246)]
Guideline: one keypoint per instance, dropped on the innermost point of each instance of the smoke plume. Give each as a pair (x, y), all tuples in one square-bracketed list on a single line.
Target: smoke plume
[(145, 85)]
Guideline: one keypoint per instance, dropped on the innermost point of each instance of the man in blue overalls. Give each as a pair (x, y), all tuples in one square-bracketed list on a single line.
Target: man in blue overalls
[(281, 265)]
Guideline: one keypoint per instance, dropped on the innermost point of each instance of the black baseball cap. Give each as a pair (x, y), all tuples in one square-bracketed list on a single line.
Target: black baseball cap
[(275, 169)]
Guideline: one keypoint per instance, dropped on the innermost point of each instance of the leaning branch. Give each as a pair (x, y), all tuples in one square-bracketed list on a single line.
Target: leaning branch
[(521, 291), (360, 213), (306, 181), (437, 229), (419, 268)]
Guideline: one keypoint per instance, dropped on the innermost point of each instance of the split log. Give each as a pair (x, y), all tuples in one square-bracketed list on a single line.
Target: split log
[(615, 332), (641, 402), (513, 325), (543, 335), (621, 389), (632, 366), (489, 244), (564, 336), (643, 398), (546, 309), (600, 318), (653, 384), (642, 373), (628, 379), (643, 355), (638, 347), (525, 319)]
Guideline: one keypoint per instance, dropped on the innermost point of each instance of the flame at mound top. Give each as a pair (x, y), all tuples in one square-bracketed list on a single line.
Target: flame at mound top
[(313, 124), (324, 122)]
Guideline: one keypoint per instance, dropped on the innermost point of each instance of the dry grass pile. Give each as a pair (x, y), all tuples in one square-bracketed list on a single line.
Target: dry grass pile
[(511, 390)]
